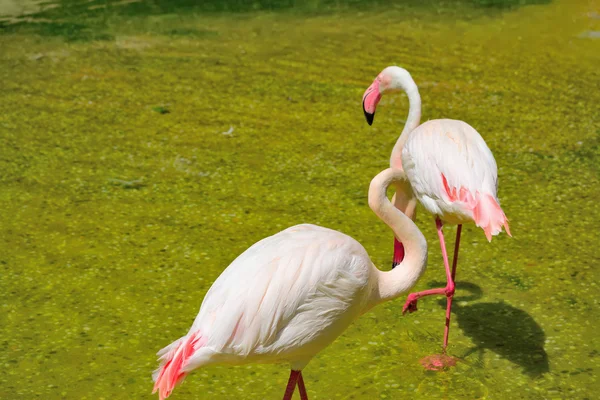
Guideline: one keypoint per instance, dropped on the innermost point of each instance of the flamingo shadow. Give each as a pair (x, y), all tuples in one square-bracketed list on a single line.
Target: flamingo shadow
[(501, 328)]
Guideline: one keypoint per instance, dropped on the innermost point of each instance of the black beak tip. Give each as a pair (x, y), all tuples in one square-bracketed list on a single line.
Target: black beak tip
[(394, 264), (368, 115)]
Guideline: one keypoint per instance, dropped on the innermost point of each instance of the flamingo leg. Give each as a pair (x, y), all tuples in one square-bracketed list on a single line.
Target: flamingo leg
[(291, 386), (449, 299), (448, 291), (456, 245), (301, 387)]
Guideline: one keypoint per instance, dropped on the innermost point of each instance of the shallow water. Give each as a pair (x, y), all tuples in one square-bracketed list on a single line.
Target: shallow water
[(144, 147)]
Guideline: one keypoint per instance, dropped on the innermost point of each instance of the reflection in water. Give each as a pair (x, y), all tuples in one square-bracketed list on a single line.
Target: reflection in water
[(499, 327)]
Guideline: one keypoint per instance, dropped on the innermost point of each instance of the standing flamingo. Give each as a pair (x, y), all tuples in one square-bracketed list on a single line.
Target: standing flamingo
[(450, 170), (290, 295)]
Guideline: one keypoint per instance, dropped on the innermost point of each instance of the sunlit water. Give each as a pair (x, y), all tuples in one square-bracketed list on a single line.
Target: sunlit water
[(144, 146)]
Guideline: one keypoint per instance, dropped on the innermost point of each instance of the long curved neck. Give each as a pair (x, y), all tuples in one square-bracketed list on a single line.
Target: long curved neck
[(397, 281), (412, 121)]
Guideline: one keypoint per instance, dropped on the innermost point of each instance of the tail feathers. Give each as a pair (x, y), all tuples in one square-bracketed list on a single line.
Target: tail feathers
[(489, 216), (173, 359)]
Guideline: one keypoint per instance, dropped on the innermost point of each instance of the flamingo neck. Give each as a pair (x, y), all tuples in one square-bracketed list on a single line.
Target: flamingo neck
[(412, 121), (404, 199), (391, 284)]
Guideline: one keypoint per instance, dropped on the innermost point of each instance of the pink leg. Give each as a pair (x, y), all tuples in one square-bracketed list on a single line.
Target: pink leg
[(449, 299), (291, 386), (456, 245), (398, 253), (448, 291), (438, 362), (301, 387)]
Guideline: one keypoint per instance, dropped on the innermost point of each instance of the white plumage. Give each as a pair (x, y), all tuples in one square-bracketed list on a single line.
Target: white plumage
[(284, 299), (454, 150)]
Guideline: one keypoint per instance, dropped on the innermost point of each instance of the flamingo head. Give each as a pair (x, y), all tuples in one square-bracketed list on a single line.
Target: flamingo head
[(390, 80)]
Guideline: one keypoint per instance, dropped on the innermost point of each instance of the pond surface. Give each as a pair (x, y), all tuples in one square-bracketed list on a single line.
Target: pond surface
[(144, 146)]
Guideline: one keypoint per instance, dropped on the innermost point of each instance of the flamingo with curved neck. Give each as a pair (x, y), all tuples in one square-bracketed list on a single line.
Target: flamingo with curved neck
[(290, 295), (450, 170)]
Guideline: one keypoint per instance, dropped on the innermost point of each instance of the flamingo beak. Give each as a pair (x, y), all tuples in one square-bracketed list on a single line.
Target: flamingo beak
[(370, 100)]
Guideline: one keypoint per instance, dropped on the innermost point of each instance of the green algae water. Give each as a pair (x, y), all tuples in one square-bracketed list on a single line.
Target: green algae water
[(145, 144)]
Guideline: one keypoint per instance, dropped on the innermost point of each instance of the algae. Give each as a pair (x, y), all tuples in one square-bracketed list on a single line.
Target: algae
[(117, 216)]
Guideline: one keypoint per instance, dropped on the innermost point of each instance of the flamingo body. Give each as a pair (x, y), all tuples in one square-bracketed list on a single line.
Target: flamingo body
[(453, 174)]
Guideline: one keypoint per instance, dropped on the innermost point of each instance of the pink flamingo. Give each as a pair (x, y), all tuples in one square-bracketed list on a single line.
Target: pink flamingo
[(291, 294), (450, 170)]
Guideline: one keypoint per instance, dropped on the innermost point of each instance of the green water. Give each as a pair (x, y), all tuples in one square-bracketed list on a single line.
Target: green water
[(122, 199)]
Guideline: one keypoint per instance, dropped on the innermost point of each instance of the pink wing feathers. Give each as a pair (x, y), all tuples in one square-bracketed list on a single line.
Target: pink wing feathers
[(454, 175)]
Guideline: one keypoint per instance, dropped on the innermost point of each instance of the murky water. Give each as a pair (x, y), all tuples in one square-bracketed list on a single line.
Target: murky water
[(145, 145)]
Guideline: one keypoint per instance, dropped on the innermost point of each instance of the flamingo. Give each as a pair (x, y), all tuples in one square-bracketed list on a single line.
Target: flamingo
[(290, 295), (451, 172)]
